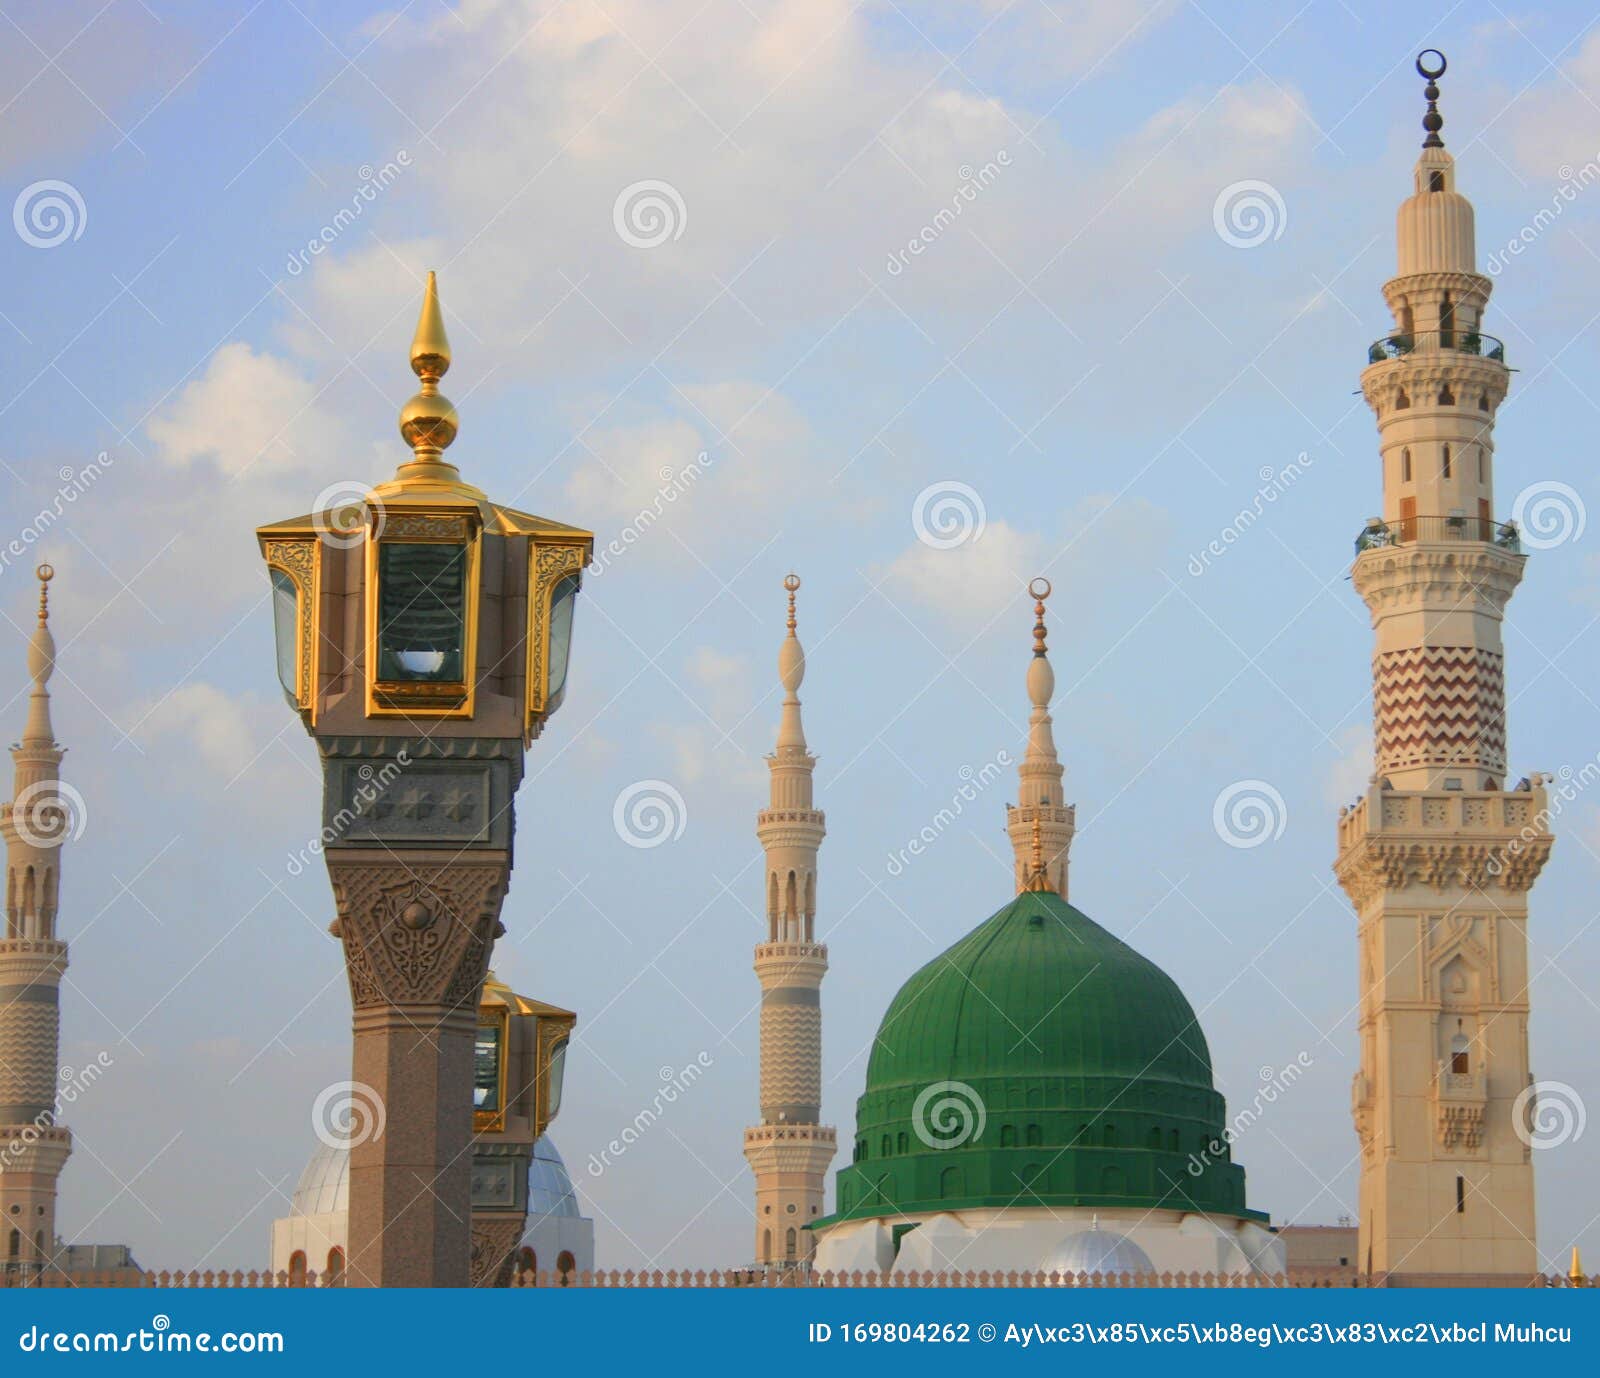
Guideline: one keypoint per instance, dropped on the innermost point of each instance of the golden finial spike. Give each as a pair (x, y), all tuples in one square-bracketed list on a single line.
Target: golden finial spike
[(1038, 879), (791, 582), (1039, 589), (1575, 1272), (430, 346), (428, 421), (46, 573)]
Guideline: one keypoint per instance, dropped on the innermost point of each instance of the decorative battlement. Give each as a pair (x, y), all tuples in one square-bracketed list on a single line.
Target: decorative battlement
[(1476, 839)]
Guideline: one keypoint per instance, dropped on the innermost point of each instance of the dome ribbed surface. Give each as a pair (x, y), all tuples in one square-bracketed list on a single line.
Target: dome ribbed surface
[(1039, 1061)]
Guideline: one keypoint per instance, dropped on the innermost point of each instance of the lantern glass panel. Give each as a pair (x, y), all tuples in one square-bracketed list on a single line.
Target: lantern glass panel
[(286, 631), (563, 602), (422, 605)]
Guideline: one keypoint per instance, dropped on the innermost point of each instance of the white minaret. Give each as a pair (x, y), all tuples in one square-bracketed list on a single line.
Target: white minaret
[(1438, 858), (789, 1151), (33, 1147), (1040, 798)]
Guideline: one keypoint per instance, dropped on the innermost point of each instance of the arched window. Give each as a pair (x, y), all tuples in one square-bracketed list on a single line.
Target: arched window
[(1008, 1136), (16, 1244), (334, 1277), (888, 1146), (1446, 469), (901, 1142), (951, 1184), (1110, 1135), (1155, 1139), (1436, 180), (766, 1244), (1447, 323), (297, 1268), (1483, 401), (1460, 1054), (1032, 1136), (790, 1243), (1173, 1141), (1402, 401), (1482, 471), (772, 907), (1405, 466), (567, 1267), (1446, 397)]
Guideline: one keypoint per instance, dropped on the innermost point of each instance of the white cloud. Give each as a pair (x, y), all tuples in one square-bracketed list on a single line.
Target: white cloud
[(969, 582), (1349, 776), (246, 410)]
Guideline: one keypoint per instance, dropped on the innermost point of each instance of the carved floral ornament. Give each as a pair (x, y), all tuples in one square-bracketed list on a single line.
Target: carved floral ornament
[(1376, 867), (414, 935)]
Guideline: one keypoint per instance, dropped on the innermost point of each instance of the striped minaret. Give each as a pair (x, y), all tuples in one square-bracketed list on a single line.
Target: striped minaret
[(789, 1151), (1438, 856), (1041, 812), (33, 1147)]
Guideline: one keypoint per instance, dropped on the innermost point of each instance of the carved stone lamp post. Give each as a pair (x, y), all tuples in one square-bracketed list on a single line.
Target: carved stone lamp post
[(423, 636)]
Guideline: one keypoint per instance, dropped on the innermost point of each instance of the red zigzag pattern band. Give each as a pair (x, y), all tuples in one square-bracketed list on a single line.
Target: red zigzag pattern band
[(1440, 705)]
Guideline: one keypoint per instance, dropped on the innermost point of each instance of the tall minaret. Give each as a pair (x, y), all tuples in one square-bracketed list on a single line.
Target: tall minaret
[(1040, 799), (789, 1151), (33, 1147), (1438, 858)]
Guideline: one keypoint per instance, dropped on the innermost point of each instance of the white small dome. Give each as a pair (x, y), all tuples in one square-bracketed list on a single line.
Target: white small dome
[(1098, 1252), (324, 1187), (550, 1190)]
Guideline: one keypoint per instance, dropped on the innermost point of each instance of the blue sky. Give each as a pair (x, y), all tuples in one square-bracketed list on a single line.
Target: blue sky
[(1080, 347)]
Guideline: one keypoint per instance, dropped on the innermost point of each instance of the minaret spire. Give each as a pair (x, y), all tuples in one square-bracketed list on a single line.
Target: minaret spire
[(32, 959), (789, 1151), (1041, 810), (1433, 121), (1438, 856)]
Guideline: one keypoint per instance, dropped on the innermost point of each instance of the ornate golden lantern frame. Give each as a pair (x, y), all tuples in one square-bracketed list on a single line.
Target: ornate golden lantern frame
[(496, 1017), (549, 562), (423, 525), (297, 557)]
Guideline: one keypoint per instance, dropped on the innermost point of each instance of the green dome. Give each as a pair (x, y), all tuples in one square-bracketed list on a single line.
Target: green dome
[(1039, 1062)]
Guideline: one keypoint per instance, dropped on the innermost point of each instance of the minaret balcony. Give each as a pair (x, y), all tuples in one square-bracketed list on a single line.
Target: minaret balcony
[(1380, 535), (1473, 342), (1460, 1099)]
